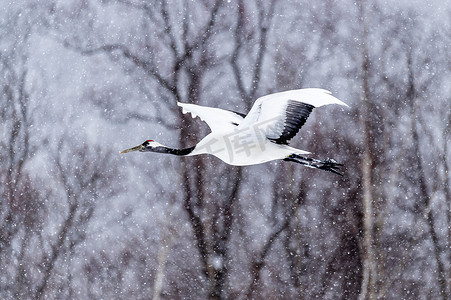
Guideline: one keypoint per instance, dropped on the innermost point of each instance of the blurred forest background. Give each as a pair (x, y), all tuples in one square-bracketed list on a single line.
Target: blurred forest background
[(82, 80)]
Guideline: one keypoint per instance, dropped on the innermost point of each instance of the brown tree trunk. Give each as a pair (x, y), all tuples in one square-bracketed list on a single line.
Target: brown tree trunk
[(368, 287)]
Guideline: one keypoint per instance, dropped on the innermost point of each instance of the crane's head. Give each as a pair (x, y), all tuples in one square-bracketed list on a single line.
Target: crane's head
[(149, 145)]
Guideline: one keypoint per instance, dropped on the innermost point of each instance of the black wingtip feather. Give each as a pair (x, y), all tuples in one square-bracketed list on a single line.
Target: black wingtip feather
[(296, 116)]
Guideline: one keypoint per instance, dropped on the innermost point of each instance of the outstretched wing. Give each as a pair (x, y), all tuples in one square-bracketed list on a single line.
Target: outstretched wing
[(216, 118), (280, 116)]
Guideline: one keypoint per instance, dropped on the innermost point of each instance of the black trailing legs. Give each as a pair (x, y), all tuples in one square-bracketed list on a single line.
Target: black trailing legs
[(328, 164)]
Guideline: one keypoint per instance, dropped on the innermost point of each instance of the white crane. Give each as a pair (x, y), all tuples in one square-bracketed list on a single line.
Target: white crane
[(258, 137)]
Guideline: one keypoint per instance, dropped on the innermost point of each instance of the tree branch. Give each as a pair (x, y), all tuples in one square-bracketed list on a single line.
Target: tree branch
[(125, 51), (258, 263), (264, 22)]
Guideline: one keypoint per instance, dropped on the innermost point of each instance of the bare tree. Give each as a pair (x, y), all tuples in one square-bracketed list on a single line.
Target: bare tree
[(85, 175), (413, 94), (369, 256), (16, 145), (21, 206), (286, 202)]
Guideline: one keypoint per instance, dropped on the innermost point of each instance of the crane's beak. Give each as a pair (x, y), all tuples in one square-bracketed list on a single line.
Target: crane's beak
[(137, 148)]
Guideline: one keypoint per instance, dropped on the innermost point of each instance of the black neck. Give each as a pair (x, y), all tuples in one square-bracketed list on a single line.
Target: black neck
[(180, 152)]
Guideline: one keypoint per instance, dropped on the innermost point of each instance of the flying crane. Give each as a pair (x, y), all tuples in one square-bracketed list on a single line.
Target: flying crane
[(258, 137)]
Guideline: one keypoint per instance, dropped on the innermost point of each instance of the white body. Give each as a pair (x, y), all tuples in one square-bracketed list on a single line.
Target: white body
[(243, 147)]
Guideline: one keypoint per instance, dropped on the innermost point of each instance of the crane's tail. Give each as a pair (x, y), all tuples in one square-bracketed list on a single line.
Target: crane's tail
[(328, 164)]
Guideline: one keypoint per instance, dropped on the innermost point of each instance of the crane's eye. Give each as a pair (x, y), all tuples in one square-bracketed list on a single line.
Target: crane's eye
[(146, 143)]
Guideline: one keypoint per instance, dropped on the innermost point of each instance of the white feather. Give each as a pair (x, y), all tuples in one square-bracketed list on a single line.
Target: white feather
[(268, 109), (216, 118)]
